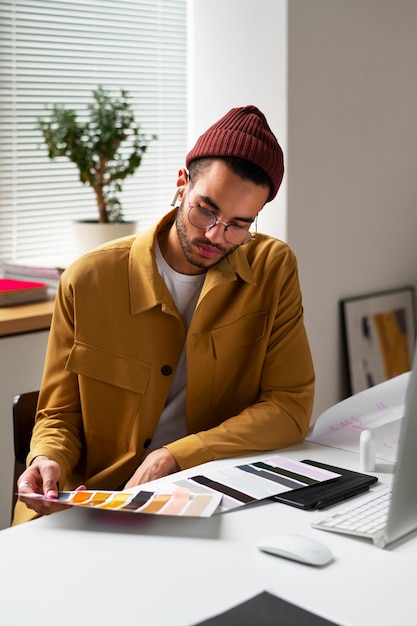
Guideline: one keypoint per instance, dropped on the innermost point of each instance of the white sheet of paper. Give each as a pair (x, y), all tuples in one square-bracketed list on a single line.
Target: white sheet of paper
[(379, 408)]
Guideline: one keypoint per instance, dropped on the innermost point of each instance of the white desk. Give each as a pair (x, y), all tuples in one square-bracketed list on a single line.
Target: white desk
[(86, 567)]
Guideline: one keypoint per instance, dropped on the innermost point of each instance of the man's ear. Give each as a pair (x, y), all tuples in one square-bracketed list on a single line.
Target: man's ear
[(182, 182), (176, 200), (182, 177)]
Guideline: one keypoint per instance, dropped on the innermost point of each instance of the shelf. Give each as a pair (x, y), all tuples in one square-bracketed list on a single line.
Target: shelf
[(25, 318)]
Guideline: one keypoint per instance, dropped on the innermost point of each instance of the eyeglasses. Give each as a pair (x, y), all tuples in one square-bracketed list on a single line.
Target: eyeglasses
[(204, 219)]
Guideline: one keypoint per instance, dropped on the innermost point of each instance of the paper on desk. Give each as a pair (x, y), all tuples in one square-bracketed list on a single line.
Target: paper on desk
[(258, 480), (172, 501), (379, 408)]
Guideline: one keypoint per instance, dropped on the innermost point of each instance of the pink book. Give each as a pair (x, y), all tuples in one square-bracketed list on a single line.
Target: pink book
[(20, 291)]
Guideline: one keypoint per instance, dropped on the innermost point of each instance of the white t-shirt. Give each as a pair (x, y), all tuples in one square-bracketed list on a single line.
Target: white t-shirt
[(185, 291)]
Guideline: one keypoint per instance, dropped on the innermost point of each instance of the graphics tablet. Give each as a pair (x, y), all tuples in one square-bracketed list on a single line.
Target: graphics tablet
[(330, 492)]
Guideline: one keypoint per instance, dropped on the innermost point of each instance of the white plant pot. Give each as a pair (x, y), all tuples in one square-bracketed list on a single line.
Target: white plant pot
[(90, 234)]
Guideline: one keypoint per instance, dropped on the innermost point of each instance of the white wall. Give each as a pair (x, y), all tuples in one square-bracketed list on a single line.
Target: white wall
[(352, 153), (238, 56), (338, 86)]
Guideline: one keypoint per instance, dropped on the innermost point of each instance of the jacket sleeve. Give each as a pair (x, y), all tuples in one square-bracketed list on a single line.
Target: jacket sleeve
[(280, 415), (58, 428)]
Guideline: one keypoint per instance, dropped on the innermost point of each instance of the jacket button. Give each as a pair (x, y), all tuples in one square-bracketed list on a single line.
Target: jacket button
[(147, 443), (166, 370)]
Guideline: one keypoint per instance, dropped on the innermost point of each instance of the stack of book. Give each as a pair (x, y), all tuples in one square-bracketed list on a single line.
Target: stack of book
[(21, 291), (36, 270)]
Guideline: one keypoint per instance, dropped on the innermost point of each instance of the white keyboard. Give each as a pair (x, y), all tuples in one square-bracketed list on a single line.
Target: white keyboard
[(365, 517)]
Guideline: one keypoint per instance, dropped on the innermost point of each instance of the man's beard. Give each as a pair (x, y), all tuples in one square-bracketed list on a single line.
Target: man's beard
[(186, 244)]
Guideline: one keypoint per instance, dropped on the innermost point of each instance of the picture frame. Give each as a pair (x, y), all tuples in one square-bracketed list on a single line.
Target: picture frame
[(379, 336)]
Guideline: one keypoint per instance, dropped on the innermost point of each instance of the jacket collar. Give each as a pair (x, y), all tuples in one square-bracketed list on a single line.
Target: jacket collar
[(147, 288)]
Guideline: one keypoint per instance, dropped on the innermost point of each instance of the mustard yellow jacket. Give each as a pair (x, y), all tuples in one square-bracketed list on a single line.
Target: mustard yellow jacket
[(115, 341)]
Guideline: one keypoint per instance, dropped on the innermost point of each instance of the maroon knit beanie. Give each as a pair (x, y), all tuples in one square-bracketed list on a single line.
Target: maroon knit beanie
[(243, 132)]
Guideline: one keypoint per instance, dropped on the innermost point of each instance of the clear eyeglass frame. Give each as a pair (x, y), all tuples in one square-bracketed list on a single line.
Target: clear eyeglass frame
[(204, 219)]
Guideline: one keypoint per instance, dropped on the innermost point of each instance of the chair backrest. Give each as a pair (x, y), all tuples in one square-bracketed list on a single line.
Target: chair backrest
[(24, 412)]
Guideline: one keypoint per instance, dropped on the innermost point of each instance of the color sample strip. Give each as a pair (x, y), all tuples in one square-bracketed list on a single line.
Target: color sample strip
[(226, 502), (98, 497), (235, 478), (203, 495), (85, 497), (234, 493), (156, 503), (64, 495), (180, 498), (181, 501), (304, 468), (246, 483), (187, 483), (200, 506), (116, 501), (80, 497), (281, 480), (304, 480), (258, 487), (138, 501)]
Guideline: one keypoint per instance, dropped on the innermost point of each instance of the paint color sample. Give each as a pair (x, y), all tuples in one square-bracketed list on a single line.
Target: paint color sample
[(244, 498), (116, 501), (197, 506), (178, 501), (205, 494), (226, 502), (255, 481), (304, 480), (138, 501), (155, 504), (81, 496), (247, 483), (98, 497), (274, 478)]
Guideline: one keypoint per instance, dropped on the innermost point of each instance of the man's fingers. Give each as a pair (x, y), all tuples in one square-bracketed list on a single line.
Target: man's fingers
[(42, 507), (50, 488), (40, 478), (161, 462), (25, 486), (50, 474)]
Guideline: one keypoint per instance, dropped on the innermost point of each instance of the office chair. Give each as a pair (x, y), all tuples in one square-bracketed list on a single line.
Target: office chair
[(24, 411)]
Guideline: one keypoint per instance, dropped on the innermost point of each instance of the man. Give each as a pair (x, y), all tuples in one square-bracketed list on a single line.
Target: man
[(181, 345)]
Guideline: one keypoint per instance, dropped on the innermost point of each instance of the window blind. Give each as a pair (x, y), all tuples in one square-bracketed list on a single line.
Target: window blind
[(56, 52)]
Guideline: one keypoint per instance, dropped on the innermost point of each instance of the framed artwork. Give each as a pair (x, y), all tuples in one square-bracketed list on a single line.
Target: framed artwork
[(379, 332)]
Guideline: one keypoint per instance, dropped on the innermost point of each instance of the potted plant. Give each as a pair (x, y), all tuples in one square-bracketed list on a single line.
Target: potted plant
[(106, 148)]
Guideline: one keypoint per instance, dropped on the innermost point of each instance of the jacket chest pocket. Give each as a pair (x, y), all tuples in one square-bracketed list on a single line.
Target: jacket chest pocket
[(240, 336), (239, 352), (111, 386)]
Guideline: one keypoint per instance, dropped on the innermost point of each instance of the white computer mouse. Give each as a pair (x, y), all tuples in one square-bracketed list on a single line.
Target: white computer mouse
[(298, 548)]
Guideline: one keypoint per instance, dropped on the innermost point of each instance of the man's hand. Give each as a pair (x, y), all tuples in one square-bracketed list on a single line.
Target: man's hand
[(157, 464), (41, 477)]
